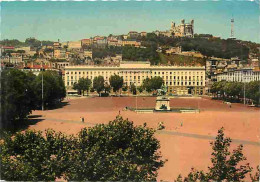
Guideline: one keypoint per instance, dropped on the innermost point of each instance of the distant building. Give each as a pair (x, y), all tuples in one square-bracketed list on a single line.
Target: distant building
[(183, 30), (173, 50), (130, 42), (74, 44), (180, 80), (133, 34), (86, 42), (240, 75), (88, 54), (143, 34)]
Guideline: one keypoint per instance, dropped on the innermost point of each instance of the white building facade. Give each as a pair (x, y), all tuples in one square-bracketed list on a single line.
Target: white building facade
[(180, 80), (240, 75)]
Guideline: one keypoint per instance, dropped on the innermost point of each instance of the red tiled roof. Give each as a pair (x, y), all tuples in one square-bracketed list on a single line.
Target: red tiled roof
[(8, 47)]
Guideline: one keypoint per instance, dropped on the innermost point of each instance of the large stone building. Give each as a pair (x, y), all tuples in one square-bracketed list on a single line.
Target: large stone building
[(180, 80), (183, 30), (240, 75)]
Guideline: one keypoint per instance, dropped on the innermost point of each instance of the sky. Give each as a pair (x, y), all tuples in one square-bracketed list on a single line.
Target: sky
[(69, 21)]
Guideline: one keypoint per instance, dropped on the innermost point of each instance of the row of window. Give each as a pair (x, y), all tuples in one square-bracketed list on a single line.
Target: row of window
[(166, 83), (134, 72), (139, 77)]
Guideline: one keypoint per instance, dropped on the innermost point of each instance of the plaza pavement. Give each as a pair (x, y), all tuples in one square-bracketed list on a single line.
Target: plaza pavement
[(183, 146)]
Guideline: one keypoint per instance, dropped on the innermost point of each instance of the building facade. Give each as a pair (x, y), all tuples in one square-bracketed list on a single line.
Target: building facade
[(183, 30), (179, 80), (240, 75)]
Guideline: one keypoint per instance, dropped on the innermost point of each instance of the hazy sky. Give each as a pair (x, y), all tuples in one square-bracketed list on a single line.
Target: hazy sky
[(77, 20)]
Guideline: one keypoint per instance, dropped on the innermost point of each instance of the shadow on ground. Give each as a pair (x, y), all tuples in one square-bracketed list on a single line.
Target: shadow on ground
[(22, 124), (57, 106)]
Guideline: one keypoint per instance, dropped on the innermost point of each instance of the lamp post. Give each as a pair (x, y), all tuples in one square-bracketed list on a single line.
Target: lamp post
[(42, 89), (244, 87)]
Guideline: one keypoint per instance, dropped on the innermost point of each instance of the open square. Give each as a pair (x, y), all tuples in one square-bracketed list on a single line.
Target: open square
[(185, 139)]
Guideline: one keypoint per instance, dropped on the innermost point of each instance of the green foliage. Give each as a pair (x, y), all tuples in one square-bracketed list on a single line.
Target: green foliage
[(234, 90), (152, 84), (256, 177), (12, 43), (253, 91), (17, 96), (99, 84), (140, 54), (133, 89), (28, 42), (125, 88), (113, 152), (116, 82), (82, 85), (107, 88), (205, 44), (147, 85), (140, 89), (225, 165), (53, 88), (32, 156), (117, 151)]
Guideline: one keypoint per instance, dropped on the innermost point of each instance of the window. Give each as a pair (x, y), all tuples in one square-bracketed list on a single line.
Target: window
[(68, 83), (71, 77), (75, 72), (79, 72)]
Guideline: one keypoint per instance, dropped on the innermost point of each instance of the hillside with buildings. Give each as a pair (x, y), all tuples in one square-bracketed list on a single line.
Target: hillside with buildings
[(176, 48)]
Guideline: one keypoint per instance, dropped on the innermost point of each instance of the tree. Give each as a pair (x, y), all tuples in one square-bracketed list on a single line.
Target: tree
[(107, 88), (156, 82), (17, 96), (98, 84), (133, 88), (225, 165), (53, 88), (116, 82), (115, 151), (147, 85), (152, 84), (140, 89), (34, 156), (82, 85), (256, 176)]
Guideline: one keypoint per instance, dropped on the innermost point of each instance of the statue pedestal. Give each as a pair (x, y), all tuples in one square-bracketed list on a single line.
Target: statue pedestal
[(162, 104)]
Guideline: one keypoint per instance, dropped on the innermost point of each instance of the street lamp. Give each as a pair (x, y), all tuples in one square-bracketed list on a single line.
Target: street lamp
[(42, 88), (244, 87)]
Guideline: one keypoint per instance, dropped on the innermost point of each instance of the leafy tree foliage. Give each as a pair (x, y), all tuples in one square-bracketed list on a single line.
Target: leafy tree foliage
[(234, 90), (82, 85), (112, 152), (32, 156), (140, 89), (133, 88), (256, 177), (116, 82), (99, 84), (17, 97), (225, 165), (207, 45), (147, 85), (152, 84), (53, 88), (21, 93)]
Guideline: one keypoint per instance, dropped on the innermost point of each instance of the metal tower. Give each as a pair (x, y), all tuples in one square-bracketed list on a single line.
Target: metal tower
[(232, 28)]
